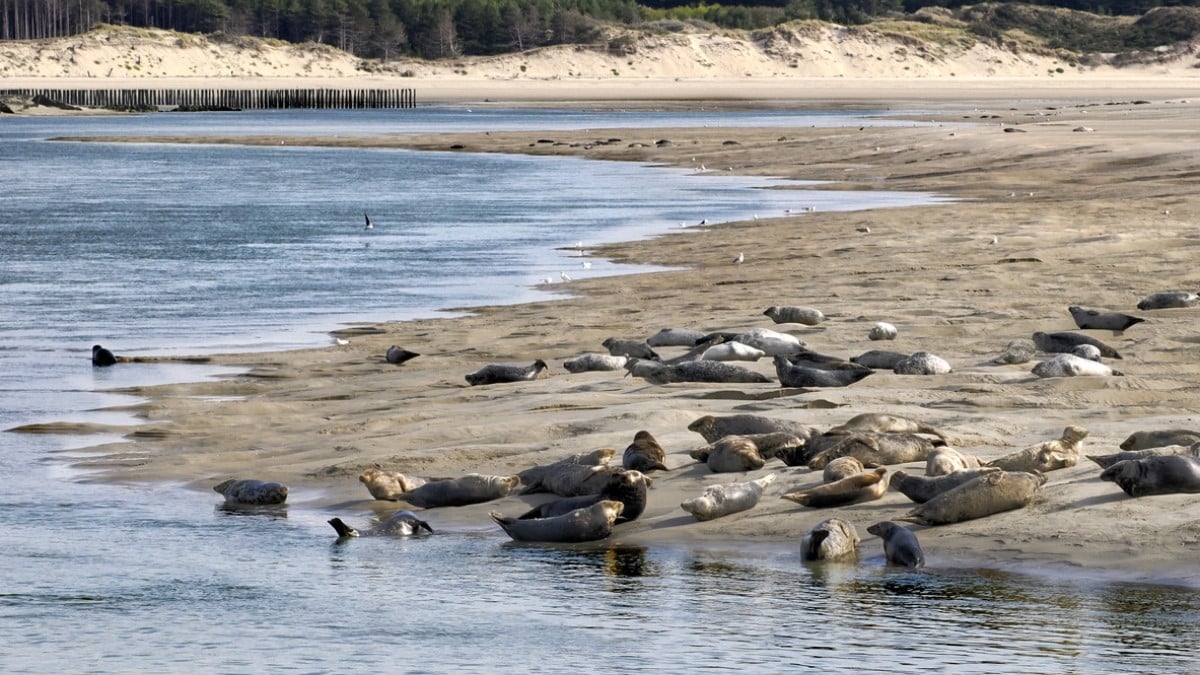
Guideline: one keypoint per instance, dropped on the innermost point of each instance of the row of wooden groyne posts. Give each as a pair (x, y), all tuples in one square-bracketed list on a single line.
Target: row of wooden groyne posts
[(224, 99)]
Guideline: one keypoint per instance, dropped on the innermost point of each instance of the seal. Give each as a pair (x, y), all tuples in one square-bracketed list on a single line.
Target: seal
[(592, 361), (1170, 474), (946, 460), (800, 376), (1021, 350), (777, 444), (722, 500), (879, 359), (1105, 461), (1114, 321), (588, 524), (981, 496), (644, 454), (1047, 456), (496, 374), (871, 448), (1168, 300), (900, 545), (883, 423), (1070, 365), (921, 489), (715, 428), (402, 523), (532, 477), (882, 330), (773, 343), (694, 371), (635, 348), (251, 492), (793, 314), (830, 539), (397, 355), (472, 488), (675, 337), (388, 485), (102, 357), (573, 480), (863, 487), (810, 359), (731, 351), (842, 467), (730, 454), (1089, 352), (627, 487), (1141, 440), (1065, 342), (922, 363)]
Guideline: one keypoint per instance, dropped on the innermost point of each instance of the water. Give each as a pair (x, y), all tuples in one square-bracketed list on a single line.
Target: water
[(173, 250)]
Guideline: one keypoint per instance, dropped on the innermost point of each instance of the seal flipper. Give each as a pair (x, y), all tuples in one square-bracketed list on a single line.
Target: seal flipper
[(344, 530), (813, 552)]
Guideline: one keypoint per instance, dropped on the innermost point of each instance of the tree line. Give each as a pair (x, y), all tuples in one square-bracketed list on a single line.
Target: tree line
[(446, 28)]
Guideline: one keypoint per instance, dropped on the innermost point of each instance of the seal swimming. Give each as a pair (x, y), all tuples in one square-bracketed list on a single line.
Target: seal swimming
[(1168, 300), (1065, 342), (587, 524), (800, 376), (722, 500), (864, 487), (402, 523), (251, 492), (102, 357), (627, 487), (1162, 475), (644, 454), (496, 374), (397, 355), (900, 545), (793, 314), (830, 539), (1093, 319)]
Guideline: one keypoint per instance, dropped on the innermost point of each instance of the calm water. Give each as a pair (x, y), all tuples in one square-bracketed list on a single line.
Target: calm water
[(164, 249)]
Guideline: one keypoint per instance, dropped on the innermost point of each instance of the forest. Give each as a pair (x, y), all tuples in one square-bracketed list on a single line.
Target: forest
[(385, 29)]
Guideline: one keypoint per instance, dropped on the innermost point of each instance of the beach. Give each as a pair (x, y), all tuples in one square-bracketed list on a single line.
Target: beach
[(1090, 198)]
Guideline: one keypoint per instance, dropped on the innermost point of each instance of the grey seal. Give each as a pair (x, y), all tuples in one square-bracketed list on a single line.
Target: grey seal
[(1105, 461), (1094, 319), (772, 342), (1048, 456), (694, 371), (1065, 342), (472, 488), (715, 428), (830, 539), (879, 359), (900, 545), (496, 374), (397, 355), (532, 477), (102, 357), (675, 337), (627, 487), (921, 489), (794, 314), (644, 454), (922, 363), (1089, 352), (592, 361), (1070, 365), (871, 448), (730, 454), (573, 480), (946, 460), (251, 492), (635, 348), (863, 487), (586, 524), (1164, 475), (800, 376), (884, 423), (842, 467), (722, 500), (1141, 440), (1168, 300), (810, 359), (401, 524), (1021, 350), (982, 496)]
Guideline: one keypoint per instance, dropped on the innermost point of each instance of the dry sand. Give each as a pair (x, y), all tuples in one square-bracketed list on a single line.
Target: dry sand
[(1097, 218)]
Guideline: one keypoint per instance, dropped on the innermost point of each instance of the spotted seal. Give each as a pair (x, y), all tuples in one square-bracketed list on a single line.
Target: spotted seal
[(722, 500), (402, 524), (590, 361), (1093, 319), (389, 485), (1105, 461), (102, 357), (1089, 352), (397, 355), (794, 314), (900, 545), (1168, 300), (879, 359), (1141, 440), (800, 376), (946, 460), (532, 477), (627, 487), (773, 343), (1020, 350), (251, 492), (1065, 342), (981, 496), (731, 351), (842, 467), (715, 428), (675, 337), (644, 454), (1163, 475), (694, 371), (635, 348), (870, 448), (921, 489), (730, 454), (882, 330), (496, 374), (573, 480), (884, 423), (863, 487), (922, 363), (1047, 456), (830, 539), (472, 488), (587, 524), (1070, 365)]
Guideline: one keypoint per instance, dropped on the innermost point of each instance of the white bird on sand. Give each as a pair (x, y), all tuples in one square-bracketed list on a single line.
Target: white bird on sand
[(864, 229), (741, 258), (564, 276), (368, 225), (995, 240), (704, 221), (586, 264)]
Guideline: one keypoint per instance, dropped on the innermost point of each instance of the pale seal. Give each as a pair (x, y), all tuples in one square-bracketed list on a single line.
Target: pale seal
[(1168, 300), (871, 448), (1021, 350), (715, 428), (1141, 440), (388, 485), (732, 351), (800, 376), (694, 371), (884, 423), (635, 348), (722, 500), (675, 337), (773, 343), (627, 487), (831, 539), (532, 477), (495, 374), (921, 489), (900, 545), (922, 363), (984, 495), (879, 359), (864, 487), (592, 361), (793, 314), (644, 454), (397, 355), (730, 454), (1170, 474), (842, 467), (882, 330), (946, 460), (1048, 456), (102, 357), (472, 488), (1065, 342), (1089, 352), (1093, 319), (1105, 461), (588, 524), (401, 524), (1070, 365), (251, 492)]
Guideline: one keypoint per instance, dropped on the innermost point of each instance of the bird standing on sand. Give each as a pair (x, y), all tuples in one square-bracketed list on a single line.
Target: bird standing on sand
[(564, 276), (741, 258), (368, 225)]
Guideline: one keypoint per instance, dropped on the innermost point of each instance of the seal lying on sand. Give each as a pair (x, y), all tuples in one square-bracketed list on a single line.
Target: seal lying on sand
[(635, 348), (842, 467), (831, 539), (1065, 342), (472, 488), (102, 357), (694, 371), (864, 487), (401, 524), (883, 423), (1070, 365), (251, 492), (900, 545), (882, 330), (1021, 350), (722, 500), (674, 337), (1170, 474), (1141, 440), (573, 480), (1105, 461), (877, 449), (587, 524), (793, 314), (731, 351), (644, 454), (800, 376), (772, 342), (1168, 300), (715, 428), (592, 361), (1092, 319), (532, 477), (921, 489), (495, 374), (397, 355), (984, 495), (627, 487), (730, 454), (389, 485), (946, 460), (922, 363), (1047, 456), (879, 359)]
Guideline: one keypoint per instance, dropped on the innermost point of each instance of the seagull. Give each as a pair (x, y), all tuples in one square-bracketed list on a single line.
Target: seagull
[(564, 276), (741, 258), (586, 264), (864, 229), (368, 226), (995, 240), (704, 221)]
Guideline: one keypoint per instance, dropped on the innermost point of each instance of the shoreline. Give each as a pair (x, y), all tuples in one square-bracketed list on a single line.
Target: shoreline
[(954, 296)]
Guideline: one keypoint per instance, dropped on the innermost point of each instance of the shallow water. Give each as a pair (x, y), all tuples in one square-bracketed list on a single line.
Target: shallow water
[(174, 250)]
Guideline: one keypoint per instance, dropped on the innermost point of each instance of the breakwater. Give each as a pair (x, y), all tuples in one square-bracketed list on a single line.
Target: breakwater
[(240, 99)]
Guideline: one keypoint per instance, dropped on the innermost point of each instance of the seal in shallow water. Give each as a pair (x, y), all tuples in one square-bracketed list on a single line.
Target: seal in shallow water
[(588, 524), (831, 539), (495, 374), (1093, 319), (900, 545), (251, 492), (722, 500), (1163, 475), (402, 524), (102, 357)]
